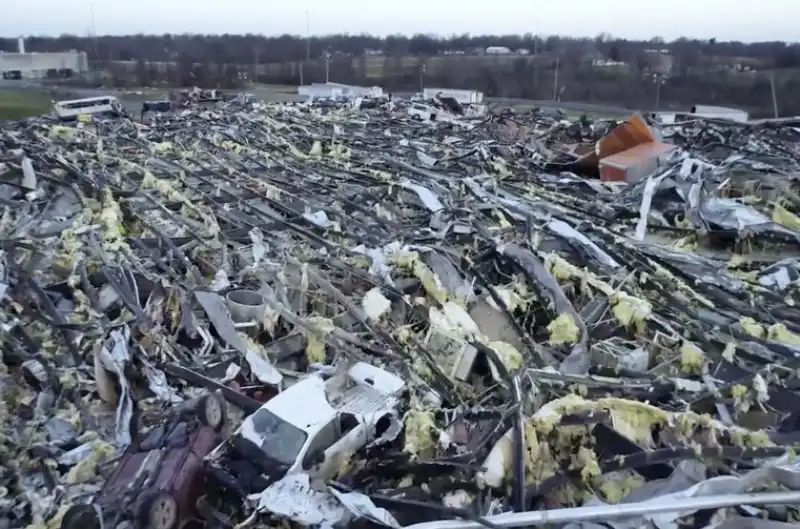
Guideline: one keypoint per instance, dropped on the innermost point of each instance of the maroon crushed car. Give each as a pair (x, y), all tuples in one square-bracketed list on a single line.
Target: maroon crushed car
[(156, 483)]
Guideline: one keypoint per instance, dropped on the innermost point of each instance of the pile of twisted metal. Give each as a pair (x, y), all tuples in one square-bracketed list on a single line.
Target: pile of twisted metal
[(342, 315)]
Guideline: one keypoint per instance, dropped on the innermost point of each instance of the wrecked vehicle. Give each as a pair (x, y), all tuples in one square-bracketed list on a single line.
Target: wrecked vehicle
[(311, 427), (155, 106), (158, 479)]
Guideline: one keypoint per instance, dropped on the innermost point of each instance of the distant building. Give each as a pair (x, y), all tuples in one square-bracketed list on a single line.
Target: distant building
[(523, 51), (465, 97), (338, 90), (660, 61), (591, 55), (373, 53), (608, 64), (24, 65), (710, 111), (498, 50)]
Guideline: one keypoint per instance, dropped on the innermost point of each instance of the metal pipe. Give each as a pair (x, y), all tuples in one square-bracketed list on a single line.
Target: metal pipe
[(605, 512)]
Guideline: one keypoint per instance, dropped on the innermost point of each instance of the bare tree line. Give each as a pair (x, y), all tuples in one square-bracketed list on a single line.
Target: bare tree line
[(707, 71)]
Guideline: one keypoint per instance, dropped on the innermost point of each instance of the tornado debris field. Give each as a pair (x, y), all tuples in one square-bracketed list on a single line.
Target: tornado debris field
[(346, 313)]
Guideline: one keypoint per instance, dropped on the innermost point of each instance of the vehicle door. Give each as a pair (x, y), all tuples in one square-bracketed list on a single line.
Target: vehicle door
[(351, 434), (314, 456)]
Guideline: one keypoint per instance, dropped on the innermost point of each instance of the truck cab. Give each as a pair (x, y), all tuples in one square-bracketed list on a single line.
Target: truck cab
[(312, 427)]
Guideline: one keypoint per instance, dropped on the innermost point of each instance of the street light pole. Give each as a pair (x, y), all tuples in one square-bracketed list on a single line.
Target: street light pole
[(555, 81), (774, 96), (658, 91), (308, 39), (422, 79), (94, 31), (327, 67)]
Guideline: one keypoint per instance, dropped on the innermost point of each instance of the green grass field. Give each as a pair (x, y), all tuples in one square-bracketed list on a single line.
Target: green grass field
[(19, 104)]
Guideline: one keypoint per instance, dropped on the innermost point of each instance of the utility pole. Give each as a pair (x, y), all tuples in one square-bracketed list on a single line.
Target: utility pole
[(774, 96), (93, 29), (327, 67), (555, 80), (308, 39), (256, 58), (422, 79), (658, 90), (535, 62), (308, 48)]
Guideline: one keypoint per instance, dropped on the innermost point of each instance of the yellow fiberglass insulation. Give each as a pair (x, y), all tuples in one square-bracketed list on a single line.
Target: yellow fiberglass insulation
[(636, 419), (563, 330), (779, 333), (751, 327), (86, 469), (421, 433), (55, 521), (692, 358), (586, 461), (412, 262), (617, 485), (110, 218), (783, 216), (630, 311), (507, 354), (315, 342)]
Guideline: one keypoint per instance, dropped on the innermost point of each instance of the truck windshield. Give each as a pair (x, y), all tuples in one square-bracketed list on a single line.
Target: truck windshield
[(280, 440)]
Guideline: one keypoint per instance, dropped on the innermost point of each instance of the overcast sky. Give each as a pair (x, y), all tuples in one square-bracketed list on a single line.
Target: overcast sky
[(746, 20)]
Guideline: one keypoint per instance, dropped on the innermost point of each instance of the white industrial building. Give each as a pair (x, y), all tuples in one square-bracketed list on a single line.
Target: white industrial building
[(498, 50), (711, 111), (335, 90), (22, 65), (465, 97)]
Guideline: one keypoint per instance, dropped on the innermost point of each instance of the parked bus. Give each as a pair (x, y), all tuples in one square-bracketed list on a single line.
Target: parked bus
[(103, 106)]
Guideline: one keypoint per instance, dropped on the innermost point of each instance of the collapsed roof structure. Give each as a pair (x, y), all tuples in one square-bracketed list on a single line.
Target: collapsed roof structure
[(569, 350)]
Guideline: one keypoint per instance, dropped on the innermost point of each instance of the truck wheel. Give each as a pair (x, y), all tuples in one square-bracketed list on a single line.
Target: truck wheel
[(80, 517), (211, 412), (161, 512)]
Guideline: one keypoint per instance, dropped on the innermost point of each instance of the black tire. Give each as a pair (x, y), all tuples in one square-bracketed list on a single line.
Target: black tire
[(160, 511), (80, 517), (125, 524), (211, 412)]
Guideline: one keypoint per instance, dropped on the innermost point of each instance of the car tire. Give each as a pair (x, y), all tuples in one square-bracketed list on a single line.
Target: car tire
[(80, 517), (160, 512), (211, 412)]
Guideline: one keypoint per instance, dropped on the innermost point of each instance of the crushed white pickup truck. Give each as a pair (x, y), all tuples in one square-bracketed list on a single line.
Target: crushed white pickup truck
[(304, 435)]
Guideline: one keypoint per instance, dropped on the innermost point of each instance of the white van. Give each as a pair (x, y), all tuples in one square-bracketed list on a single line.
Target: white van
[(103, 106)]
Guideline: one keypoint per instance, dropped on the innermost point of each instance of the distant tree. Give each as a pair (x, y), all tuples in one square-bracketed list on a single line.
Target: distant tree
[(185, 73), (196, 59), (788, 57), (143, 73)]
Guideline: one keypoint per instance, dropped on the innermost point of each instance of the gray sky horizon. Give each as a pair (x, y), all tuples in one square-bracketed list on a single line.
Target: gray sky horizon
[(748, 21)]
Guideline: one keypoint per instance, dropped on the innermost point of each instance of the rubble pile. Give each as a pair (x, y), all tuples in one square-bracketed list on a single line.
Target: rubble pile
[(336, 314)]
